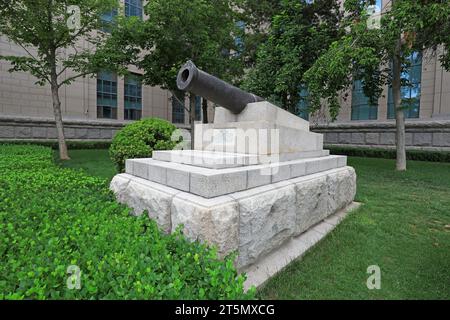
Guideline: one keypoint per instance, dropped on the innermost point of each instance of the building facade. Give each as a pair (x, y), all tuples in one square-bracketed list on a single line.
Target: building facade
[(93, 108), (427, 102)]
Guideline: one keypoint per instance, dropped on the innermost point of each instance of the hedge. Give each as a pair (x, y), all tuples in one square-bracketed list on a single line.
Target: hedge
[(419, 155), (71, 144), (53, 218)]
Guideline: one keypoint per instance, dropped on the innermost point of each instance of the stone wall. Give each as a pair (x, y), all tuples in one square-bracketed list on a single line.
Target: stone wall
[(21, 128), (419, 134)]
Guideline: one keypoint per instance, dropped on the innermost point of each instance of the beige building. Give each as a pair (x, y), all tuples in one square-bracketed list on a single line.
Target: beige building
[(95, 108)]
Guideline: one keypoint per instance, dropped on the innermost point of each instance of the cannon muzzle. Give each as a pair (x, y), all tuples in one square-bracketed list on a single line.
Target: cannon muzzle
[(194, 80)]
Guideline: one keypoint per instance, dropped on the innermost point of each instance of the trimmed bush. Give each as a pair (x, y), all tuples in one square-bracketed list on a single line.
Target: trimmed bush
[(71, 144), (418, 155), (53, 218), (139, 139)]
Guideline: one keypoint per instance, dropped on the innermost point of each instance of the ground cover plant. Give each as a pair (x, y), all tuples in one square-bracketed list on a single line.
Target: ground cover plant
[(403, 227), (54, 220)]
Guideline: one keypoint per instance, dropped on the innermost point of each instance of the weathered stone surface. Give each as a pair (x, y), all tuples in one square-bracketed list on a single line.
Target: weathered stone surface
[(214, 221), (320, 195), (311, 202), (423, 139), (358, 138), (253, 222), (372, 138), (23, 132), (143, 195), (345, 137), (267, 217), (441, 139), (387, 138), (39, 133), (6, 132)]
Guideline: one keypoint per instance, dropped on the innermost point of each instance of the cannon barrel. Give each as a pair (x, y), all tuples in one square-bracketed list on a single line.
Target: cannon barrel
[(194, 80)]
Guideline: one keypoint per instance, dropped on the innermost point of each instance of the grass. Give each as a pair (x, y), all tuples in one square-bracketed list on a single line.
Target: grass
[(95, 162), (403, 227)]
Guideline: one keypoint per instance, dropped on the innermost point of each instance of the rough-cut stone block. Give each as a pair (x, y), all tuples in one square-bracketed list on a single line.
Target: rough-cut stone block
[(143, 195), (358, 138), (70, 133), (372, 138), (39, 133), (23, 132), (409, 138), (105, 134), (94, 134), (441, 139), (6, 132), (213, 221), (331, 137), (81, 133), (345, 137), (387, 138), (311, 202), (267, 219), (423, 139)]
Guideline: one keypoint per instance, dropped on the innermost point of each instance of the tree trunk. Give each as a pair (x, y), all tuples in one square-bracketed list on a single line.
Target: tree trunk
[(63, 154), (205, 110), (192, 117), (399, 114)]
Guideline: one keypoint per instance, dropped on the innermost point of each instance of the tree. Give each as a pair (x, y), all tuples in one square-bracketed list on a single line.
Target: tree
[(50, 34), (178, 31), (380, 55), (299, 34), (256, 18)]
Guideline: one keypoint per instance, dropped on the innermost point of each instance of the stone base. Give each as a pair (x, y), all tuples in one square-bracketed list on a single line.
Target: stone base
[(253, 222), (276, 261)]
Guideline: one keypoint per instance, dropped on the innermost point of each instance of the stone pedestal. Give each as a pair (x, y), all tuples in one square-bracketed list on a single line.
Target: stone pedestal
[(243, 199)]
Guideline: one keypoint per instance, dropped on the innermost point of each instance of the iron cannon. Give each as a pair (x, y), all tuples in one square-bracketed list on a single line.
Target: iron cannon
[(194, 80)]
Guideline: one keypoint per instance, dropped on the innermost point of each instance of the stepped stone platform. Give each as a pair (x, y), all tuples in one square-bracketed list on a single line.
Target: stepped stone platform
[(256, 181)]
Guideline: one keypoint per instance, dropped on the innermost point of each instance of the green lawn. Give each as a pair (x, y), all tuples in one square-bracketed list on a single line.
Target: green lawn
[(94, 162), (403, 227)]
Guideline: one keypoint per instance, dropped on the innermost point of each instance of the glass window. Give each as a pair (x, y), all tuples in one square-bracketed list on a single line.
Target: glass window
[(107, 95), (178, 108), (107, 20), (133, 8), (198, 108), (302, 109), (133, 97), (361, 107), (410, 93)]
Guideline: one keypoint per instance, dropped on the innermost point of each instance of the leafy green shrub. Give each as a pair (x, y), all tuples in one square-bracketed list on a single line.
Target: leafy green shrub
[(139, 139), (52, 218), (418, 155)]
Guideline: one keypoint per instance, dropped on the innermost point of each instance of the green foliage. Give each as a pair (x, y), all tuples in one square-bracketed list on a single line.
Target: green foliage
[(300, 32), (139, 139), (44, 25), (418, 155), (52, 218), (177, 31), (367, 53)]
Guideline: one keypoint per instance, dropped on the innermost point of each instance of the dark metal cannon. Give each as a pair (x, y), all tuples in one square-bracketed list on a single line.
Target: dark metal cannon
[(194, 80)]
